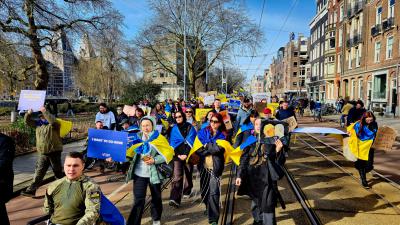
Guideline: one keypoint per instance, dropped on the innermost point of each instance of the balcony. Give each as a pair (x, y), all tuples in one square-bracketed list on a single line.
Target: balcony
[(357, 39), (376, 30), (352, 11), (349, 42), (388, 24)]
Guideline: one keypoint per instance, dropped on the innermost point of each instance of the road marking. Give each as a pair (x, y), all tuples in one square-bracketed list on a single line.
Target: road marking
[(118, 189)]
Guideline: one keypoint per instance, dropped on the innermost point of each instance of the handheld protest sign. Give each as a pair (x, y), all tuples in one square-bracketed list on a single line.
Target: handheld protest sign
[(31, 99), (234, 106), (103, 144), (385, 138)]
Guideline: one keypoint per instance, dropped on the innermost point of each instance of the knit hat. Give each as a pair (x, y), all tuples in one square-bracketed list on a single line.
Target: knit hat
[(267, 111)]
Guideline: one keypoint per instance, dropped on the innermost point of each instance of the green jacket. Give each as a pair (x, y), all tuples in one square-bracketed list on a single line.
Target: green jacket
[(73, 202), (155, 176), (47, 136)]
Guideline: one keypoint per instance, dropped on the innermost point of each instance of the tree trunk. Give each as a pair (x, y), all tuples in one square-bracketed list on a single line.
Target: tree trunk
[(42, 75)]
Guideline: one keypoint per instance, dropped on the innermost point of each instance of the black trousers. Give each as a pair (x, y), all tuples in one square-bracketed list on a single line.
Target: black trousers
[(3, 214), (364, 164), (182, 182), (52, 159), (210, 193), (139, 191)]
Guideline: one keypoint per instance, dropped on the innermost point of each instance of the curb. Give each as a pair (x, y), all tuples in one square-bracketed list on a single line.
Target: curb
[(18, 188)]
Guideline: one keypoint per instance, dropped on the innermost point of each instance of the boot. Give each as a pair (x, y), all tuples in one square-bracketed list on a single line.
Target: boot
[(363, 178)]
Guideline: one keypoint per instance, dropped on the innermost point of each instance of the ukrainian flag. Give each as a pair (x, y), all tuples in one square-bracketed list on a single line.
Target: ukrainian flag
[(177, 139), (159, 142), (360, 142), (243, 128), (204, 136)]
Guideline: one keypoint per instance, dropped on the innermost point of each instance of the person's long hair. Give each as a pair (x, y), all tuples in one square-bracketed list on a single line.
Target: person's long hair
[(222, 127), (206, 117), (363, 121), (253, 114), (183, 117)]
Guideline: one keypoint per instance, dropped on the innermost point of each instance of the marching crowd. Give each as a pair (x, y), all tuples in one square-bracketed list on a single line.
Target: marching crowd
[(166, 141)]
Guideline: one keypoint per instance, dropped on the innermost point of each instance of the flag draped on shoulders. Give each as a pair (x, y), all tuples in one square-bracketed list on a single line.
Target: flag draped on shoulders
[(249, 141), (159, 142), (360, 142), (177, 139), (243, 128), (204, 136)]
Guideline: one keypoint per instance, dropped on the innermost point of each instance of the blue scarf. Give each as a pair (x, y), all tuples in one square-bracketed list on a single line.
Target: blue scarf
[(177, 139), (366, 134), (205, 136), (40, 122), (145, 148), (205, 124)]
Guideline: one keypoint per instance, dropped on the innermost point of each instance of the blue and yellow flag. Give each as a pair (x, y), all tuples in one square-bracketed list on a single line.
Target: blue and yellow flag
[(243, 128), (159, 142), (65, 127), (204, 136), (177, 139), (360, 142), (249, 141)]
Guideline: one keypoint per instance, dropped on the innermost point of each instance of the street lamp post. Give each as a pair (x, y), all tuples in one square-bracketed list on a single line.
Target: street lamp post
[(184, 55)]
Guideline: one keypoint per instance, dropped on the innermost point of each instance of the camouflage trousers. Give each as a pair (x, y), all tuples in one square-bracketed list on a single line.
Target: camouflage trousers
[(52, 159)]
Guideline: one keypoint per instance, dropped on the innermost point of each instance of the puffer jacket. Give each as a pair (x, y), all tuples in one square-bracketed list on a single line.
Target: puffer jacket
[(47, 136)]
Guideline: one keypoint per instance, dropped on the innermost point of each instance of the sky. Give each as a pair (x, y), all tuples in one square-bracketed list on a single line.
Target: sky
[(279, 18)]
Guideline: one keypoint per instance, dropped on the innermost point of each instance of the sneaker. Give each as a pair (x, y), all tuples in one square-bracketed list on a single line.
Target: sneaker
[(173, 203), (157, 222), (186, 196), (28, 193)]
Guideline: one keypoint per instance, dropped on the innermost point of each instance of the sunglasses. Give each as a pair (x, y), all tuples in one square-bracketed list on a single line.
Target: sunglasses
[(214, 121), (189, 111)]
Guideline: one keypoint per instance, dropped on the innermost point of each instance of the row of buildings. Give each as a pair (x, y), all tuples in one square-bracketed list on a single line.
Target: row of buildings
[(353, 51)]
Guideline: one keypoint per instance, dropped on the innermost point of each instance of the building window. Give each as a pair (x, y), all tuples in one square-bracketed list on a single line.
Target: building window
[(379, 91), (358, 57), (353, 89), (360, 89), (389, 47), (340, 37), (295, 54), (294, 83), (349, 59), (377, 51), (341, 13), (378, 17), (294, 74), (339, 63), (391, 9), (295, 64)]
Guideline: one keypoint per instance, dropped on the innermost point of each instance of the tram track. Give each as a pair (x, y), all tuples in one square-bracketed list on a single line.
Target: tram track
[(349, 173)]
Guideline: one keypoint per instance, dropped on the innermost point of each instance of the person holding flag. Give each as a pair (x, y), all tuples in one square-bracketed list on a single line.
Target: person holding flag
[(260, 169), (362, 135), (181, 139), (246, 129), (148, 152), (212, 147)]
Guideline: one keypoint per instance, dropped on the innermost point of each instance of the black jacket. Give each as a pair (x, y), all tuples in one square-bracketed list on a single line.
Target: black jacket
[(217, 154), (7, 152)]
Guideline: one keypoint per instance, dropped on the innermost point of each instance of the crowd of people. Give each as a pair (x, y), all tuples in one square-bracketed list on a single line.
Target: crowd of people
[(166, 141)]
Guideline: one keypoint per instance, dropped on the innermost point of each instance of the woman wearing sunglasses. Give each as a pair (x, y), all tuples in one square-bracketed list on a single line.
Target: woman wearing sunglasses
[(189, 113), (181, 139), (210, 145), (259, 171)]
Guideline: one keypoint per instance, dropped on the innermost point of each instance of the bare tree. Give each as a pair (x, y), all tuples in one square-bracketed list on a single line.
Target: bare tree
[(212, 28), (111, 69), (14, 68), (235, 79), (36, 23)]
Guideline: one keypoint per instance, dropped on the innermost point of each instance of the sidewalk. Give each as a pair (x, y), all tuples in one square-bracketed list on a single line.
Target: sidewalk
[(381, 120), (24, 165)]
